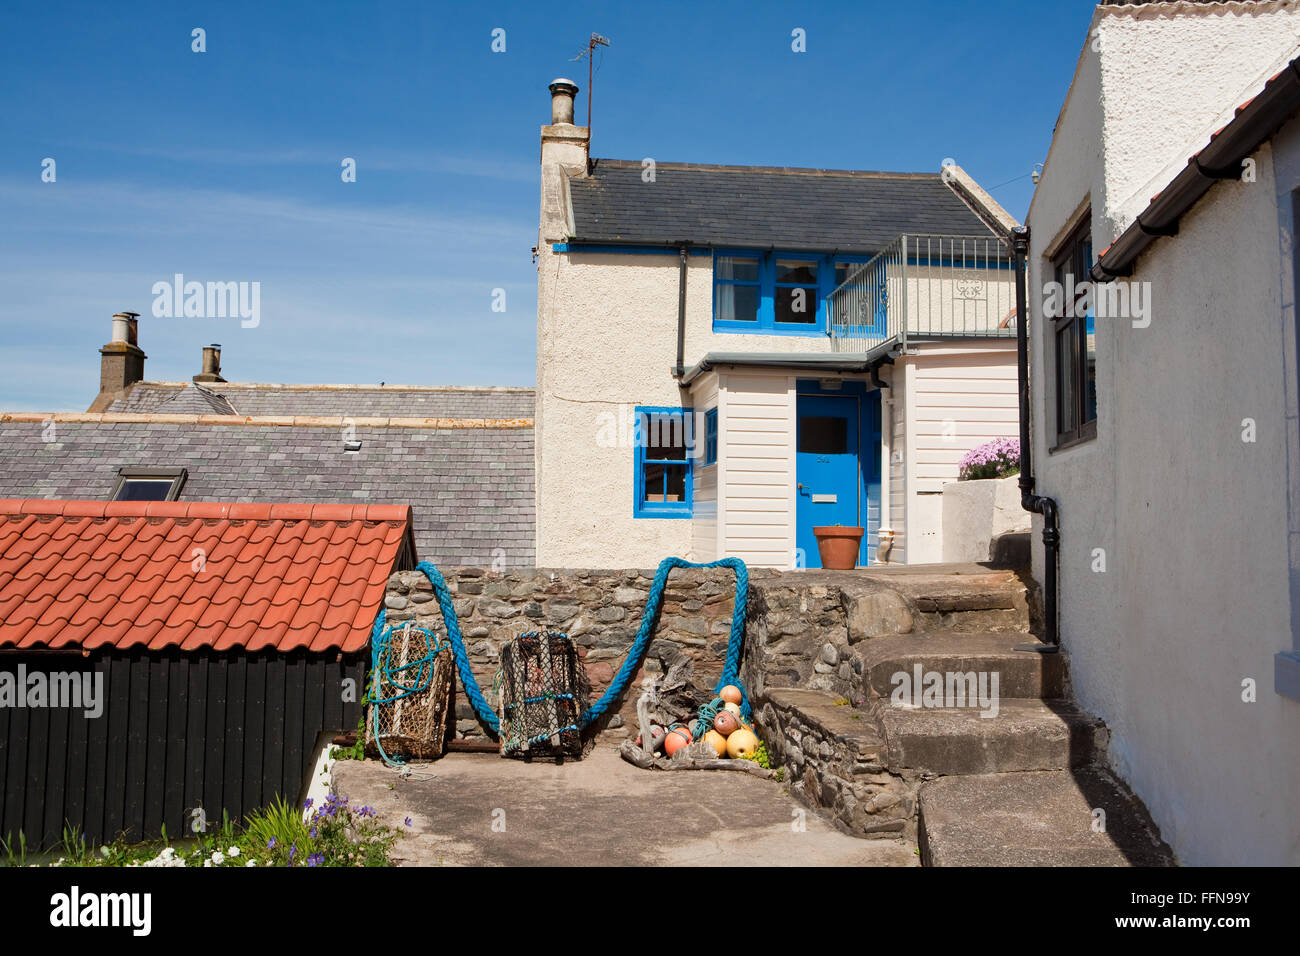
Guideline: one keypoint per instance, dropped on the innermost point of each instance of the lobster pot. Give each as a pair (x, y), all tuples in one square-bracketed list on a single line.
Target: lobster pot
[(409, 693), (542, 695)]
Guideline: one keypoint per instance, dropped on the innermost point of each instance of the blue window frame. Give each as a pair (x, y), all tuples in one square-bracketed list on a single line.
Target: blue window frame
[(711, 437), (775, 292), (665, 449)]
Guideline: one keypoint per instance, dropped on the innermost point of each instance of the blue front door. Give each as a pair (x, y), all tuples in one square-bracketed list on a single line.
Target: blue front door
[(827, 469)]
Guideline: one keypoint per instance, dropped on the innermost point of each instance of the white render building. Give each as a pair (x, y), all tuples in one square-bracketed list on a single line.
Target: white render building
[(729, 356), (1168, 434)]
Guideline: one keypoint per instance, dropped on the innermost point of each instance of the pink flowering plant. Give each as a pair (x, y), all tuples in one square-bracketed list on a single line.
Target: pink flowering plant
[(993, 459)]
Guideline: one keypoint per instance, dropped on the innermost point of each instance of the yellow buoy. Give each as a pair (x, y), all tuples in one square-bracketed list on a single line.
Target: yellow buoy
[(731, 694), (741, 743), (717, 742)]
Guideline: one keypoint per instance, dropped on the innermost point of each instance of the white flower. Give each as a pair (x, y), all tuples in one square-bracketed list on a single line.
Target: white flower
[(251, 863), (233, 851), (218, 858)]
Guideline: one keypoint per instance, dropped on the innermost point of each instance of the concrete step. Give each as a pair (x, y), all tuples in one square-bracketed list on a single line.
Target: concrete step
[(1023, 735), (1037, 819), (1020, 673)]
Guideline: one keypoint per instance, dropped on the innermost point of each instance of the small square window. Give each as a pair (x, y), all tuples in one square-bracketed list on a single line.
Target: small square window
[(148, 484), (664, 449)]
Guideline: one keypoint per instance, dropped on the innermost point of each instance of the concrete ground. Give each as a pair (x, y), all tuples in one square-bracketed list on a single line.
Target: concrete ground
[(485, 810)]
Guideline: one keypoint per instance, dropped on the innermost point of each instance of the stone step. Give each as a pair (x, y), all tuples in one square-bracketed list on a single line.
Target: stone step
[(1024, 735), (1037, 819), (1020, 673)]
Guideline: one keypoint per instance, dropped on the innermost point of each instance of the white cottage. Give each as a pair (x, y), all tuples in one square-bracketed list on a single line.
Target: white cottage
[(1164, 414), (730, 356)]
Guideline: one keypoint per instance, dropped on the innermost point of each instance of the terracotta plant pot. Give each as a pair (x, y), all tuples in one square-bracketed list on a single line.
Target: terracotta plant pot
[(838, 546)]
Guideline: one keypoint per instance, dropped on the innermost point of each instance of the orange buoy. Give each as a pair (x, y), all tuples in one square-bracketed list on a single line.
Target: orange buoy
[(731, 694), (677, 738), (742, 743), (726, 723), (717, 741)]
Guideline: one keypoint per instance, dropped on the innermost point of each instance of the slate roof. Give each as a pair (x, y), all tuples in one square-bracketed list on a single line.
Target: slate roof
[(353, 401), (282, 577), (761, 207), (471, 488), (196, 400)]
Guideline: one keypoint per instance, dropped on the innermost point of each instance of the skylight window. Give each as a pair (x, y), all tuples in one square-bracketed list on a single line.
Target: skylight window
[(148, 484)]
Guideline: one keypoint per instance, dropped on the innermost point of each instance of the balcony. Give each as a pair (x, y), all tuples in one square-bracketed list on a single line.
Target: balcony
[(925, 288)]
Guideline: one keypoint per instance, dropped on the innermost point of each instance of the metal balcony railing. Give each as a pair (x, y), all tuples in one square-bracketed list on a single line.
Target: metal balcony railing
[(925, 287)]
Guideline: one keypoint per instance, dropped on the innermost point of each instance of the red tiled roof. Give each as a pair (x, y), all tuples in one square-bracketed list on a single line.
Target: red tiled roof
[(89, 574)]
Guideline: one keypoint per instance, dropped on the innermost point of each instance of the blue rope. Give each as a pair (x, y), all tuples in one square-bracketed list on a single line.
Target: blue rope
[(730, 670)]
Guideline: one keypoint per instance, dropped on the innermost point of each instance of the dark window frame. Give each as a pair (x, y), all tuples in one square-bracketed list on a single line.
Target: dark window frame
[(129, 473), (1073, 257)]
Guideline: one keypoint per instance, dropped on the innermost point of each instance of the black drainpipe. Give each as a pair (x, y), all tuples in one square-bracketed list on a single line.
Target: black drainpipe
[(680, 368), (1028, 500)]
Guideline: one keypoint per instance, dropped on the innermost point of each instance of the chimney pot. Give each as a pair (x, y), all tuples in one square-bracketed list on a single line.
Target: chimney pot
[(124, 327), (562, 93), (211, 364)]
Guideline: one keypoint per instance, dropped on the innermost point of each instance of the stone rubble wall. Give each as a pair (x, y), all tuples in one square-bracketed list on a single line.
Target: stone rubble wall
[(832, 760), (599, 610)]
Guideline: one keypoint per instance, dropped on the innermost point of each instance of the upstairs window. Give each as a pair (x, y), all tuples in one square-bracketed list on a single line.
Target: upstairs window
[(737, 288), (148, 484), (665, 446), (775, 293), (1073, 334)]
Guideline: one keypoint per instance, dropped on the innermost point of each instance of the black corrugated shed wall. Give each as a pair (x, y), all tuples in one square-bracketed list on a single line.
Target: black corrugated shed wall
[(180, 730)]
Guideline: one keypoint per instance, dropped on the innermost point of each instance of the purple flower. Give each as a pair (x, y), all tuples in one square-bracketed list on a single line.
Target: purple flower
[(270, 844), (307, 805), (993, 459), (408, 822), (315, 859), (313, 833), (293, 850)]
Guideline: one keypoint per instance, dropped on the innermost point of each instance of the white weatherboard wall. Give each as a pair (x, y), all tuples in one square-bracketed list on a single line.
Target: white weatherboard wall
[(956, 400), (758, 469), (704, 521), (1189, 519)]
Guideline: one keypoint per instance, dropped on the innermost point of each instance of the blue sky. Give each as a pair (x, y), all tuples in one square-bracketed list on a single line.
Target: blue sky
[(225, 165)]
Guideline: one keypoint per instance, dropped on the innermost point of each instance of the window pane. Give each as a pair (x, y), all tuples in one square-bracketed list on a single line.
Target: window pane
[(664, 436), (845, 269), (736, 269), (792, 270), (738, 303), (797, 304), (665, 483), (824, 435), (1089, 371), (144, 490), (1067, 377)]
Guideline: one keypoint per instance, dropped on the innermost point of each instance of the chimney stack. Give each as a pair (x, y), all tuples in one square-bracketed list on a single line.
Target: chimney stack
[(121, 364), (211, 364)]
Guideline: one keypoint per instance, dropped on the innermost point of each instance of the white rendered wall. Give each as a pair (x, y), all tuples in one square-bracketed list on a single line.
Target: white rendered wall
[(1190, 521)]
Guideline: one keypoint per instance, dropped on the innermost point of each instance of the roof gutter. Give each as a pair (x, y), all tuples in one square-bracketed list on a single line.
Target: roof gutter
[(1255, 122), (869, 362)]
